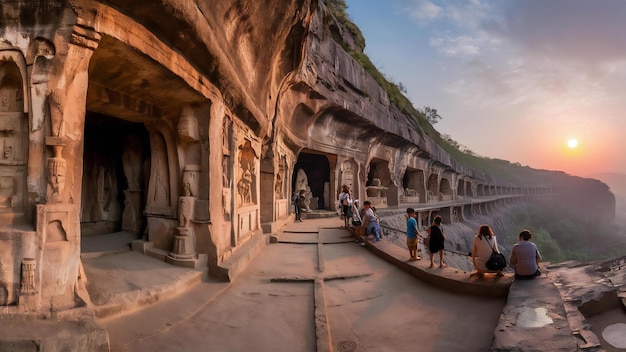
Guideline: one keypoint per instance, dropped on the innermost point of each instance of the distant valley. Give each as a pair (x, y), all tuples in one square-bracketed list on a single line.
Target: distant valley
[(617, 184)]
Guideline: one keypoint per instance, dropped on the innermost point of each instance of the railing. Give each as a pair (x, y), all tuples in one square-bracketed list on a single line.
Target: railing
[(403, 233)]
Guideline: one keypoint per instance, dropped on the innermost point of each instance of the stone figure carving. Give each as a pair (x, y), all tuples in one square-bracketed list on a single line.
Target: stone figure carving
[(7, 151), (347, 173), (226, 136), (10, 97), (188, 125), (247, 159), (132, 162), (244, 187), (409, 192), (185, 211), (225, 172), (278, 189), (183, 249), (7, 192), (302, 183), (161, 195), (56, 167), (28, 276), (376, 189), (191, 175)]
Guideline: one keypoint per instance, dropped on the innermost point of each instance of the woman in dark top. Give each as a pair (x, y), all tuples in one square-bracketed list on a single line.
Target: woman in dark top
[(436, 240)]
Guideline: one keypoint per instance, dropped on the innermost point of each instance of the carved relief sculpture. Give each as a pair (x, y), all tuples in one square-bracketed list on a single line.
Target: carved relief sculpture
[(188, 125), (7, 192), (56, 167), (28, 277), (191, 175), (247, 159), (160, 193), (12, 137), (132, 163)]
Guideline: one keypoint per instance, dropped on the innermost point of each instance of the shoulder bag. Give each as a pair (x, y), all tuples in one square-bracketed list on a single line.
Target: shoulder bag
[(496, 260)]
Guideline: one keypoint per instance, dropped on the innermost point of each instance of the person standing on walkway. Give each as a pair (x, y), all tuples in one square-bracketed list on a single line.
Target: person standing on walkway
[(298, 203), (345, 200), (411, 234), (483, 245), (436, 242), (370, 221), (525, 257)]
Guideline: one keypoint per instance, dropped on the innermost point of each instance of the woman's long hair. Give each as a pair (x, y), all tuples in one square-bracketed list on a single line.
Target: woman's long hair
[(485, 231)]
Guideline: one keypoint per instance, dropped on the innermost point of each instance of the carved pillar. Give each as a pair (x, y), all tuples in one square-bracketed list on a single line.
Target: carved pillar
[(184, 248), (58, 220)]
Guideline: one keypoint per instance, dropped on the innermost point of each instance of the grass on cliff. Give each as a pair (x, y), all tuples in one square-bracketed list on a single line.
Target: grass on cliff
[(338, 9), (501, 170)]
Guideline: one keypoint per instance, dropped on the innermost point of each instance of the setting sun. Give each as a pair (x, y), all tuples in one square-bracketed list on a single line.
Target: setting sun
[(572, 143)]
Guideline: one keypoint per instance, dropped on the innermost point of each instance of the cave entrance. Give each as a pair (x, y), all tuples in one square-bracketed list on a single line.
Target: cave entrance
[(312, 173), (115, 169)]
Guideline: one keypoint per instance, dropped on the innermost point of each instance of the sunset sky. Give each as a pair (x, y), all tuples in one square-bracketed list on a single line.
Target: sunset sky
[(512, 79)]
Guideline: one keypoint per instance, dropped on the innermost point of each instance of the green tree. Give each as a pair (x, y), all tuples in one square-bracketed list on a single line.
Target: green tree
[(431, 115)]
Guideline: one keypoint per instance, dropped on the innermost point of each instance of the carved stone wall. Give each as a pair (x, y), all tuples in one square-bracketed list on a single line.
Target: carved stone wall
[(13, 138)]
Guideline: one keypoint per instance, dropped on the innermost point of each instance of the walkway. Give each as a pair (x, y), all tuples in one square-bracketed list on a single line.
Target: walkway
[(314, 290)]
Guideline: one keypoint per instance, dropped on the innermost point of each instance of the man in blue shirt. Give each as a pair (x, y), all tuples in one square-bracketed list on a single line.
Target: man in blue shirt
[(411, 234)]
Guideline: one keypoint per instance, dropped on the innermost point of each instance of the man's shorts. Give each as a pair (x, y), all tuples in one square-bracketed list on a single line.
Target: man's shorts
[(411, 242)]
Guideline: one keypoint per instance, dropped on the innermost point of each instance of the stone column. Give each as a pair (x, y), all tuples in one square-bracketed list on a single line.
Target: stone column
[(184, 248)]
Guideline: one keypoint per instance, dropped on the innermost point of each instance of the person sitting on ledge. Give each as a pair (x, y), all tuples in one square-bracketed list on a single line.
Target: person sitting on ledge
[(483, 245), (525, 257)]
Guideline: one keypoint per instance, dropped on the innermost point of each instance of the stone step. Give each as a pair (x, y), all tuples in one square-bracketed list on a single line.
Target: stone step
[(120, 284)]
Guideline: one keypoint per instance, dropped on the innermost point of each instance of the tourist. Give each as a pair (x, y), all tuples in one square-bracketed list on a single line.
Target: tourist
[(483, 245), (436, 242), (345, 201), (298, 204), (370, 221), (525, 257), (411, 234)]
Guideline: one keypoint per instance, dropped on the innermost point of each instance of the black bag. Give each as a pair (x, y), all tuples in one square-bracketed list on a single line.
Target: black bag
[(496, 261)]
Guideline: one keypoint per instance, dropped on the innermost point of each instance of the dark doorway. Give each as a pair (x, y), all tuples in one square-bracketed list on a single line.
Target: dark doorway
[(317, 170), (115, 165)]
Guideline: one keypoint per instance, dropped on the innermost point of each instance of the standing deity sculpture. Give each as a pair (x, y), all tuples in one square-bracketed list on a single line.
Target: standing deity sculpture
[(245, 185)]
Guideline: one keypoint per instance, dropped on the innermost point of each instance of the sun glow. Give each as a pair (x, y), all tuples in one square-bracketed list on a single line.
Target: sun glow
[(572, 143)]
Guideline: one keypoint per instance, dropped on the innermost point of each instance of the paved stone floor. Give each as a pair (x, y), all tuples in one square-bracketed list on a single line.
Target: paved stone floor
[(325, 294)]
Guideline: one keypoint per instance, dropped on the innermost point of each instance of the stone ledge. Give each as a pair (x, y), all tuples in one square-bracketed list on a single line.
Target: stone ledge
[(111, 296), (534, 319), (447, 278)]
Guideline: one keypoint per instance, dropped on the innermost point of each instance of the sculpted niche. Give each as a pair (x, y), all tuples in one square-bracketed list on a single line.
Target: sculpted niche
[(302, 184), (246, 185), (13, 136), (132, 163)]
